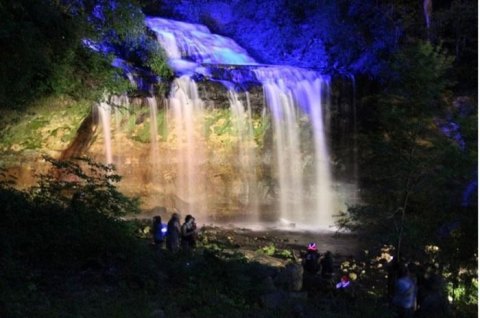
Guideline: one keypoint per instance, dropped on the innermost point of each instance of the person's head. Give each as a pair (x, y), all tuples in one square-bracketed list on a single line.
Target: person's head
[(157, 219), (328, 254), (312, 247), (176, 216), (189, 219)]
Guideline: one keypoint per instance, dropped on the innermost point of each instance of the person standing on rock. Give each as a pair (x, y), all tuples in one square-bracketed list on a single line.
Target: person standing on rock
[(327, 265), (173, 233)]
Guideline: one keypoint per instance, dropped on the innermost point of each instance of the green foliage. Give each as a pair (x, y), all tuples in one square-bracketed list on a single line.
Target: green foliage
[(271, 250), (90, 189), (85, 74), (70, 261), (219, 122), (144, 51), (43, 126), (62, 260), (203, 278), (43, 42), (403, 145), (138, 126), (421, 77), (143, 133), (268, 250), (260, 128), (455, 24), (420, 170), (156, 61)]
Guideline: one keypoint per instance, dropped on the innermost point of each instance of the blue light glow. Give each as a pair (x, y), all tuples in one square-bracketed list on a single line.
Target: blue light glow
[(470, 190), (187, 43)]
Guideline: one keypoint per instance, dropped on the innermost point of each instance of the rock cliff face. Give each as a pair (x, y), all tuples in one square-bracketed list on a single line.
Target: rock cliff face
[(233, 177)]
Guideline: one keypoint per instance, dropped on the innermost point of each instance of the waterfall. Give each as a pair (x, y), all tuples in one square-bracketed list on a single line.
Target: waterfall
[(154, 149), (242, 122), (186, 109), (233, 155), (290, 91), (196, 43), (104, 110)]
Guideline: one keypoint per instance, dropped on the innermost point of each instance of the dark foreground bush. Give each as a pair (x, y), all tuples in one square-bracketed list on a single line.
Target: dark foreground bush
[(62, 256)]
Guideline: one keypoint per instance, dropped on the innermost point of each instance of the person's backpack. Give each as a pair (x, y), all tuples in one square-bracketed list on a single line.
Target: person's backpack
[(311, 262)]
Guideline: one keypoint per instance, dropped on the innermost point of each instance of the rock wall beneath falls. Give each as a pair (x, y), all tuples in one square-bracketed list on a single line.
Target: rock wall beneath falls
[(150, 166), (79, 131), (225, 187)]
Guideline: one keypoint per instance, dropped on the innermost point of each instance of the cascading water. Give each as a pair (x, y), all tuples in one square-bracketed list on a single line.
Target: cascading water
[(242, 123), (190, 44), (154, 152), (187, 111), (104, 110), (295, 96), (265, 161)]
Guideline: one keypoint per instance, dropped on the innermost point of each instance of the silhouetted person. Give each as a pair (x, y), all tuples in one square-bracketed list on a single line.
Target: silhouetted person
[(404, 294), (159, 231), (173, 233), (189, 233), (327, 265), (311, 259), (392, 270), (434, 302), (78, 201)]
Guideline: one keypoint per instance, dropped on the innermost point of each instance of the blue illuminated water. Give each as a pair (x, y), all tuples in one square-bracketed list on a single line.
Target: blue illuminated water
[(189, 45)]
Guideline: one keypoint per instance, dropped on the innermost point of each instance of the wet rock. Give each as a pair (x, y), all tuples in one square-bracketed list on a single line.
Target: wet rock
[(291, 277), (263, 259), (267, 285)]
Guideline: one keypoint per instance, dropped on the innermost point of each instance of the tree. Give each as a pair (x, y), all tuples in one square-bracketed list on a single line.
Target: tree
[(403, 148), (418, 154), (48, 47)]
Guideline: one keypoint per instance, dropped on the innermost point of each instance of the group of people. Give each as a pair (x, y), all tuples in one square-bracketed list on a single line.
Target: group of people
[(417, 292), (313, 262), (175, 235), (413, 293)]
